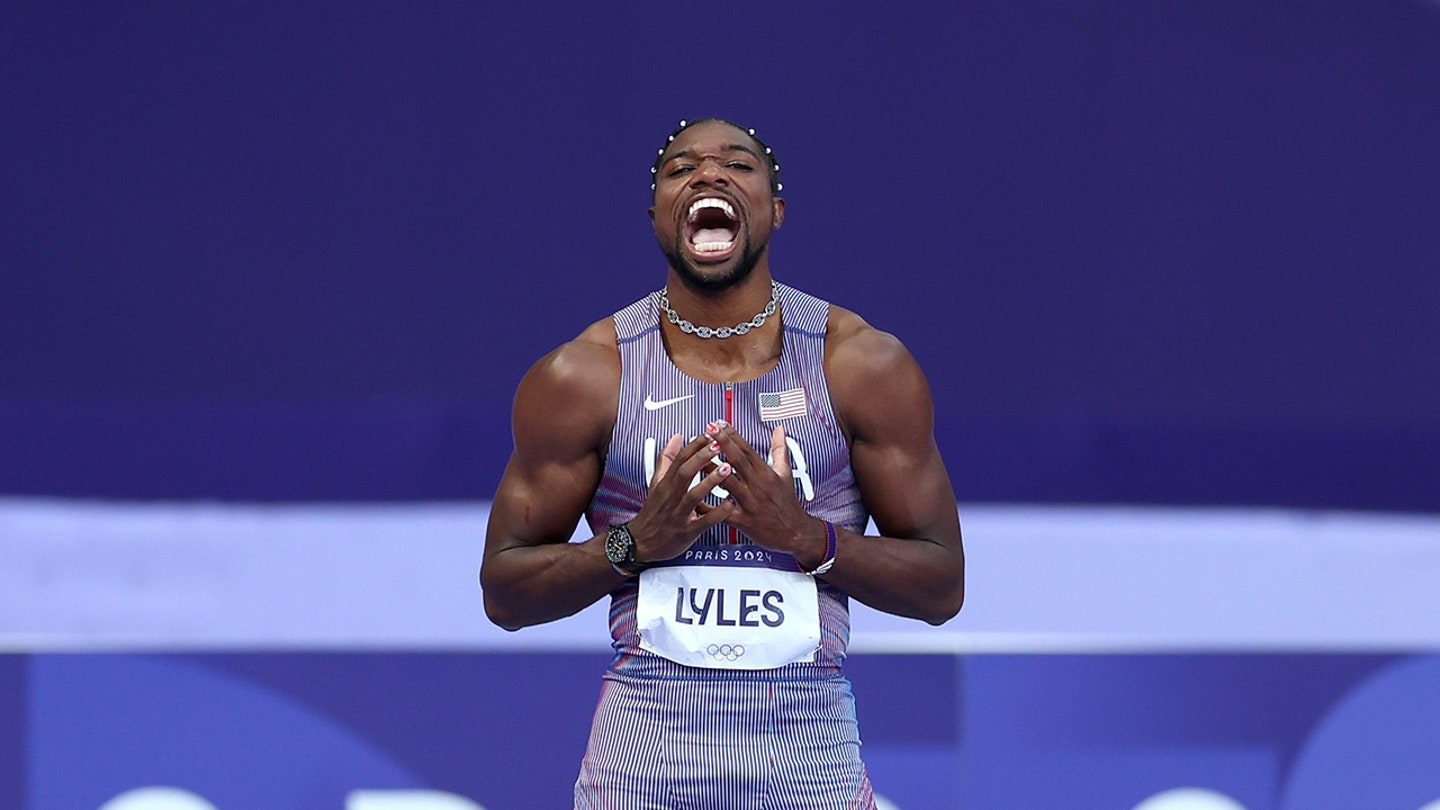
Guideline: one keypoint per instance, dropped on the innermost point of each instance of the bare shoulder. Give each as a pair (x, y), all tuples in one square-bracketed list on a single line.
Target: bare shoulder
[(591, 358), (857, 347), (872, 377), (571, 394)]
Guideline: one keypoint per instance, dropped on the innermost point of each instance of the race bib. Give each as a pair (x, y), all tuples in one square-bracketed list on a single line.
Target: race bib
[(728, 617)]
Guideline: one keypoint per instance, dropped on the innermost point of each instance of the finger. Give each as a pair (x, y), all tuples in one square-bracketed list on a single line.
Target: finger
[(667, 457), (738, 451), (708, 515), (717, 514), (779, 453), (691, 457), (706, 485), (698, 463)]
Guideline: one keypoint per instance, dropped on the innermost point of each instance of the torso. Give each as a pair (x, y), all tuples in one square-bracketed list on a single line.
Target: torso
[(658, 400)]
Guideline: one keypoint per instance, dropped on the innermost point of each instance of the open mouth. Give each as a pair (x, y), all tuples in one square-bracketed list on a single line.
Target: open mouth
[(711, 226)]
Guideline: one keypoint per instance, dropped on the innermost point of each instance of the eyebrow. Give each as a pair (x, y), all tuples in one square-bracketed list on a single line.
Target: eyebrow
[(734, 147)]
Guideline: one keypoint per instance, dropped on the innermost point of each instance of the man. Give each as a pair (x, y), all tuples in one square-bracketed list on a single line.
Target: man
[(727, 438)]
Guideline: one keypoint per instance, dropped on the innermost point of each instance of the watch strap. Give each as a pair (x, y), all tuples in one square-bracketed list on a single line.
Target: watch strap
[(618, 537)]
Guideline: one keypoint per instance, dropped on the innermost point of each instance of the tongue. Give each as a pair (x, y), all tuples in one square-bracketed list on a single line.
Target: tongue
[(705, 235)]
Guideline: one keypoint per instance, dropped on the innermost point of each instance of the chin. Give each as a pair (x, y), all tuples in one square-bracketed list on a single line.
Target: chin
[(713, 277)]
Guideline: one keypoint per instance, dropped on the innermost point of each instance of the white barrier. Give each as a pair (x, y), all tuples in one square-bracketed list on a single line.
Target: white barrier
[(97, 575)]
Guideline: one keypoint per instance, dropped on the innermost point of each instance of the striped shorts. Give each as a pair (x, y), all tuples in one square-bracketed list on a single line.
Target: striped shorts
[(723, 741)]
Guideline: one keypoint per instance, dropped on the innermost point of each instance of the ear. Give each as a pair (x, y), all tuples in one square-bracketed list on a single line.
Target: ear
[(651, 212), (777, 211)]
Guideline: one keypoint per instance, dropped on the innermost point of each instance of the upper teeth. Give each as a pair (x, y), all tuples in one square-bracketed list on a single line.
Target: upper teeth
[(711, 202)]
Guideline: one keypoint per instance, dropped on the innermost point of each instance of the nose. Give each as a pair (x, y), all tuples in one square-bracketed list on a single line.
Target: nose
[(709, 171)]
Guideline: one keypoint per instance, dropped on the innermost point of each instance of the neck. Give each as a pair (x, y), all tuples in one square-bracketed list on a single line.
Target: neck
[(720, 307), (733, 359)]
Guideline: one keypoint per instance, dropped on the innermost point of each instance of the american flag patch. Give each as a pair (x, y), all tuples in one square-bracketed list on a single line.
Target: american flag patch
[(782, 405)]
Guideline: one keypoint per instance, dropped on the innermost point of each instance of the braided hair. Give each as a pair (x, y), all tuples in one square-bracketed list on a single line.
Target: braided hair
[(772, 166)]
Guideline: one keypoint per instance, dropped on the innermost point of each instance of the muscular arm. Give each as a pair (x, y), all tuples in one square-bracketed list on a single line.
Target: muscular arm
[(916, 567), (564, 412)]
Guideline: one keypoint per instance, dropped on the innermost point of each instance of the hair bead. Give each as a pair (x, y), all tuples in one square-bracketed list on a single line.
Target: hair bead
[(686, 123)]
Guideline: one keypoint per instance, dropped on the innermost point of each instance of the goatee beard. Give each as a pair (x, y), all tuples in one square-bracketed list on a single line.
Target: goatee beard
[(723, 280)]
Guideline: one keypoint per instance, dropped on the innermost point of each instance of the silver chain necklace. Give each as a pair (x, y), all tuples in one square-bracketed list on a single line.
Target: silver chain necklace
[(724, 331)]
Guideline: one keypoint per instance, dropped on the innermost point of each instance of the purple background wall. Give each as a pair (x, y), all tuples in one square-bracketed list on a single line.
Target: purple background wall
[(1178, 253), (1149, 253)]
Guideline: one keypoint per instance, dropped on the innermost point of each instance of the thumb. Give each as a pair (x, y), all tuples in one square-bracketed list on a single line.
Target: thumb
[(667, 457), (779, 453)]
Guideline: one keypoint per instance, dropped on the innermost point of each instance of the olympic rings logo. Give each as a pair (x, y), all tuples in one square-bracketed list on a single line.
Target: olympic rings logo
[(726, 652)]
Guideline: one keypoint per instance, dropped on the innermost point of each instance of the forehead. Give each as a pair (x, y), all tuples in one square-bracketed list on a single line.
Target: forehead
[(711, 137)]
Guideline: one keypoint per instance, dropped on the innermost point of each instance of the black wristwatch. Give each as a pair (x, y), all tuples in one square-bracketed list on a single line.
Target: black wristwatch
[(620, 550)]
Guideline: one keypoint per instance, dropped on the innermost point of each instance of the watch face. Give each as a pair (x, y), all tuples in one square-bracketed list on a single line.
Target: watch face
[(619, 545)]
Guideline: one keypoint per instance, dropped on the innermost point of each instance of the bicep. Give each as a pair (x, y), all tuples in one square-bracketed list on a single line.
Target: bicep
[(906, 489), (897, 463), (563, 413), (540, 501)]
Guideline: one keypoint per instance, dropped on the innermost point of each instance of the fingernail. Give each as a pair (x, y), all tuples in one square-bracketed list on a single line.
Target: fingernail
[(724, 469)]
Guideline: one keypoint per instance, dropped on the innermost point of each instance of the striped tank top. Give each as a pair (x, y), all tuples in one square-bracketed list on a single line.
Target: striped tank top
[(657, 401)]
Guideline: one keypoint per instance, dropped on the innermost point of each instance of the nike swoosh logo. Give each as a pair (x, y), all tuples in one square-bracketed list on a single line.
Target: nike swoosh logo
[(652, 405)]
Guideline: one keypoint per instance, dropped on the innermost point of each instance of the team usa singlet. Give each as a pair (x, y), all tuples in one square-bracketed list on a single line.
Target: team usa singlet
[(726, 689)]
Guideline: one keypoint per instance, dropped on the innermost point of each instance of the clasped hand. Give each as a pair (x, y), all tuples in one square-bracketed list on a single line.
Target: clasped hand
[(761, 502)]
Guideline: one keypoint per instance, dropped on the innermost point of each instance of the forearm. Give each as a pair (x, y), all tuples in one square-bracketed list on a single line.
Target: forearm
[(529, 585), (917, 578)]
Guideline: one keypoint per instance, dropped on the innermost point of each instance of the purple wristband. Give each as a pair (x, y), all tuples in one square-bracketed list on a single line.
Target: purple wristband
[(829, 552)]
